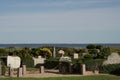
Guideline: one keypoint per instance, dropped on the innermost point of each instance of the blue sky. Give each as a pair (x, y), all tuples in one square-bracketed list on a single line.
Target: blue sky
[(59, 21)]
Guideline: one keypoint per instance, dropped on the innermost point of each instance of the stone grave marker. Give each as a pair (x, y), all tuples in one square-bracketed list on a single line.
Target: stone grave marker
[(76, 56)]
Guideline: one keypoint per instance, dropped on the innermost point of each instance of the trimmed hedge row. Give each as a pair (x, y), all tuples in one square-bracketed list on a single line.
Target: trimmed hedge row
[(64, 67), (92, 65), (51, 64), (28, 61), (110, 69)]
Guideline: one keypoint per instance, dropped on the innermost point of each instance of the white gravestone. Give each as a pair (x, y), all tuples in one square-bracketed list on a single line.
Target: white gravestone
[(65, 59), (13, 61), (38, 60), (75, 56)]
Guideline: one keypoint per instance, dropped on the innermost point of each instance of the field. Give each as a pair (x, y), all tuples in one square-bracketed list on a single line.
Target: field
[(101, 77)]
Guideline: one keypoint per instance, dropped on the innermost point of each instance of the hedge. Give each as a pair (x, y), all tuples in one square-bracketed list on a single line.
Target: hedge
[(64, 67), (28, 61), (92, 65), (76, 68), (51, 64), (110, 69)]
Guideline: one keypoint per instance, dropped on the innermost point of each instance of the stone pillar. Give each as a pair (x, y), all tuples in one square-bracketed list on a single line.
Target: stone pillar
[(70, 68), (0, 69), (19, 72), (41, 69), (24, 69), (83, 69), (11, 71)]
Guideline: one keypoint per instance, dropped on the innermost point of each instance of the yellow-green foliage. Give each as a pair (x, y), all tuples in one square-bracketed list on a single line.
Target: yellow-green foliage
[(47, 51)]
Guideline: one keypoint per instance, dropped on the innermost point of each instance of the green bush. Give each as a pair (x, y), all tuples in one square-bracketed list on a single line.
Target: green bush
[(76, 68), (3, 69), (88, 56), (65, 67), (28, 61), (79, 60), (92, 65), (51, 64), (110, 69), (91, 46)]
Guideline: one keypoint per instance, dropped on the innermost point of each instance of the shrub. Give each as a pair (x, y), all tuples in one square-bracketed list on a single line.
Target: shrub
[(3, 69), (110, 69), (92, 65), (76, 68), (64, 67), (52, 64), (28, 61), (88, 56), (91, 46), (79, 60)]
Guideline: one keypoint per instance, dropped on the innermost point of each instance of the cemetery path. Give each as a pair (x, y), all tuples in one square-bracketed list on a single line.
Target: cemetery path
[(49, 73)]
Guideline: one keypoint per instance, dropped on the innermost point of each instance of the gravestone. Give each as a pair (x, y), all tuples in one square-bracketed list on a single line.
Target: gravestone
[(13, 61), (75, 56), (65, 59), (39, 60), (61, 52), (114, 58)]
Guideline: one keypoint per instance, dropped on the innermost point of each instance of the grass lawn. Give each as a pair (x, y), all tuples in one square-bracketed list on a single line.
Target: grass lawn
[(101, 77)]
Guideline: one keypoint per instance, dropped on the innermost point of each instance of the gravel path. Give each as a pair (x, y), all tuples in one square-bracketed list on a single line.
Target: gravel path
[(49, 73)]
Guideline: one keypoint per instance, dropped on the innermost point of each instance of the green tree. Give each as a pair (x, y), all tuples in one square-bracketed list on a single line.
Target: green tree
[(88, 56), (99, 47), (35, 52), (45, 52), (91, 46), (24, 52), (93, 52), (105, 52), (3, 52)]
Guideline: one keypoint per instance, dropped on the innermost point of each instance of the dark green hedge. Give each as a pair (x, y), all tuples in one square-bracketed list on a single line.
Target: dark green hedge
[(92, 65), (110, 69), (64, 67), (51, 64), (28, 61), (76, 68)]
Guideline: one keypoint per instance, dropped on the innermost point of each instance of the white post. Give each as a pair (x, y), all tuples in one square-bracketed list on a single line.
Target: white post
[(41, 69), (24, 69), (83, 69), (0, 69), (19, 73)]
